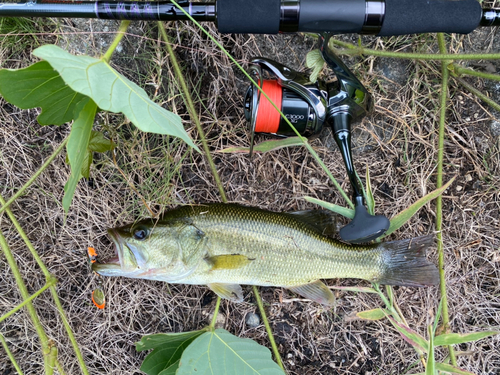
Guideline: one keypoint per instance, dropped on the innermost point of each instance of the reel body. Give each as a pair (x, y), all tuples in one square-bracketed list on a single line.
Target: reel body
[(310, 106)]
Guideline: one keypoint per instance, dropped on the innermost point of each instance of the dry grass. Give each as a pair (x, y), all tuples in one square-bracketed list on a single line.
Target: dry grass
[(397, 143)]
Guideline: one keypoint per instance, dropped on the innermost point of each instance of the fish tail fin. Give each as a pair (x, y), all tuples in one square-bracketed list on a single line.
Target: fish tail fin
[(406, 264)]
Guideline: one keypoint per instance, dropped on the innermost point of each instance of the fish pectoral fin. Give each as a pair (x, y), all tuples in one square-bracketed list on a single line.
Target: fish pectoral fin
[(231, 292), (315, 291), (228, 261)]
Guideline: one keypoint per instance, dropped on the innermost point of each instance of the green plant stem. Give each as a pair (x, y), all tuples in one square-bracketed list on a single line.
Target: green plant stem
[(47, 285), (479, 94), (268, 327), (216, 312), (10, 355), (304, 140), (44, 340), (121, 33), (21, 191), (352, 49), (457, 69), (192, 110), (53, 290), (439, 182)]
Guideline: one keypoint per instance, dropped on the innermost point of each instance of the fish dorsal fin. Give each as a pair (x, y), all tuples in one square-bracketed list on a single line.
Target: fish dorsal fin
[(315, 291), (231, 292), (323, 221), (227, 261)]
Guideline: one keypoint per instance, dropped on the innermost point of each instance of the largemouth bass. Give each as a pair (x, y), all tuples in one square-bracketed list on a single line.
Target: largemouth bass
[(225, 245)]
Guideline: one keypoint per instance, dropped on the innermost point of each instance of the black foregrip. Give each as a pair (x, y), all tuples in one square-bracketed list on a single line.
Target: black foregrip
[(429, 16), (248, 16)]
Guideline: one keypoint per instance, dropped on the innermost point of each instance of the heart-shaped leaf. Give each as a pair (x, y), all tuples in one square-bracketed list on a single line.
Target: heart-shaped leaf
[(219, 352), (39, 85), (113, 92), (167, 351)]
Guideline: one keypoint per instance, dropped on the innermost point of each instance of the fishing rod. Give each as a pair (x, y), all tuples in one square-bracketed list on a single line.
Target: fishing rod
[(308, 106), (376, 17)]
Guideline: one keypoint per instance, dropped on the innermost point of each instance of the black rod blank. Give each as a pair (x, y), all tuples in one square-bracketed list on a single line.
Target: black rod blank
[(378, 17)]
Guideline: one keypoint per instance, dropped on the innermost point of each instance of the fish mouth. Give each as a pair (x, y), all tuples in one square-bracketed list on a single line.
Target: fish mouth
[(116, 265)]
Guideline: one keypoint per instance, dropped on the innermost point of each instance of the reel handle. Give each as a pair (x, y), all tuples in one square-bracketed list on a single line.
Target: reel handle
[(364, 227)]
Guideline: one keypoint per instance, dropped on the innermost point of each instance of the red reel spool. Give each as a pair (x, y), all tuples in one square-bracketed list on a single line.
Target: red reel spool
[(268, 118)]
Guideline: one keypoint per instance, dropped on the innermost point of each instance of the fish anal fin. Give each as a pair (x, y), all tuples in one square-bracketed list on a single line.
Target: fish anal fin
[(228, 261), (231, 292), (315, 291), (323, 221)]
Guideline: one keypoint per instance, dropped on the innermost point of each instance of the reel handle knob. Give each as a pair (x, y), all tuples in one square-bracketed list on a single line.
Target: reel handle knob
[(364, 227)]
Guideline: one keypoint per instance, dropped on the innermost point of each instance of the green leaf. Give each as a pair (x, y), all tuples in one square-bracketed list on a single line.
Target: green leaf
[(347, 212), (39, 85), (461, 338), (410, 336), (430, 368), (314, 61), (437, 317), (452, 369), (267, 146), (167, 351), (219, 352), (405, 215), (113, 92), (87, 162), (77, 149), (370, 201), (98, 143), (375, 314)]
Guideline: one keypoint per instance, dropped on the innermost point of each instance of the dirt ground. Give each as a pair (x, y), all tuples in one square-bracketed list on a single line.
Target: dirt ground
[(397, 142)]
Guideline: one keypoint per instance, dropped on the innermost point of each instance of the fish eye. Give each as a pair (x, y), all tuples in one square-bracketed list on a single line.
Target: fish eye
[(140, 233)]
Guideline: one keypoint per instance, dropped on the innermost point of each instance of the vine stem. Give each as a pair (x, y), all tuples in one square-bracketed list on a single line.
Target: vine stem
[(10, 355), (44, 340), (53, 290), (352, 49), (32, 179), (439, 182), (118, 38), (216, 312), (464, 71), (268, 327), (479, 94), (47, 285)]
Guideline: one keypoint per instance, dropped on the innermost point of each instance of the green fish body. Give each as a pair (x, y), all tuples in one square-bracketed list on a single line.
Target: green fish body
[(225, 245)]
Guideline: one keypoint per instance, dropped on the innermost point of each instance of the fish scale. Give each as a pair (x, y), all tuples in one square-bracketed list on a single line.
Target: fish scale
[(225, 245)]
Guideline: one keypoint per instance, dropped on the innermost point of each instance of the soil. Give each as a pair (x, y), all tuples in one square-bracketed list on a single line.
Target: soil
[(397, 142)]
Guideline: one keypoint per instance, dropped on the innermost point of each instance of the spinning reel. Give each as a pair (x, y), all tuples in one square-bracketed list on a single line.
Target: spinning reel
[(309, 107)]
